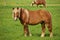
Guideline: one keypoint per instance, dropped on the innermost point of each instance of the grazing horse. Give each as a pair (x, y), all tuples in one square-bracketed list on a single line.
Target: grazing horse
[(28, 17), (39, 2)]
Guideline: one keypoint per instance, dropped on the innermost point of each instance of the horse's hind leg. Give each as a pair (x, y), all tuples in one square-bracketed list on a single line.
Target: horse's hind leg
[(43, 29), (50, 29)]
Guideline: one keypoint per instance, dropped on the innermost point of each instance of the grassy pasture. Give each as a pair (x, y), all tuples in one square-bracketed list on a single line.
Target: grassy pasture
[(13, 30)]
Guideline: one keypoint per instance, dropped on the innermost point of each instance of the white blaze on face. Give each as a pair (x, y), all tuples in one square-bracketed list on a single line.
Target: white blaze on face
[(14, 13), (15, 18)]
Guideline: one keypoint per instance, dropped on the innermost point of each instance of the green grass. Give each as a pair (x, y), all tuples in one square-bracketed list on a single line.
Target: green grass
[(13, 30)]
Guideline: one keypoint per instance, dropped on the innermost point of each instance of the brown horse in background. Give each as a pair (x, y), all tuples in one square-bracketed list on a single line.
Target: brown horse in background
[(39, 2), (28, 17)]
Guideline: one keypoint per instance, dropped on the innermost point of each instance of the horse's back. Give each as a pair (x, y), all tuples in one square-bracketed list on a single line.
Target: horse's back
[(34, 17), (38, 16), (45, 13)]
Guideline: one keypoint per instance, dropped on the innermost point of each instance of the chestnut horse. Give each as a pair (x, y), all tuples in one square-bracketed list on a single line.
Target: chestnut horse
[(28, 17), (39, 2)]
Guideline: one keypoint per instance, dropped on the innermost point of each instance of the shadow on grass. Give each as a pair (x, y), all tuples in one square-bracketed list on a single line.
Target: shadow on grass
[(39, 35), (46, 35)]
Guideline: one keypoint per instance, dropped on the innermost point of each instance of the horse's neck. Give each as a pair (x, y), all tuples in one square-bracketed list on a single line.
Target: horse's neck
[(21, 13), (25, 13)]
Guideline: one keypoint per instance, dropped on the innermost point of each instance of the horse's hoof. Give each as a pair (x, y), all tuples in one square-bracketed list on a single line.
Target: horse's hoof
[(30, 4), (42, 35), (30, 34), (51, 35), (25, 35)]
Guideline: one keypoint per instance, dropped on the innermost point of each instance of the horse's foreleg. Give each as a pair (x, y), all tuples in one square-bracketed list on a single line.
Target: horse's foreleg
[(50, 29), (43, 29), (26, 31), (32, 4)]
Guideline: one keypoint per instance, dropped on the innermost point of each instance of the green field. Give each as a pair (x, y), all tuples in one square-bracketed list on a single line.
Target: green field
[(13, 30)]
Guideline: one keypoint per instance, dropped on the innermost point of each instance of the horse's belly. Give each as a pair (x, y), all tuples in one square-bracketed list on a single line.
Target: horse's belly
[(34, 21)]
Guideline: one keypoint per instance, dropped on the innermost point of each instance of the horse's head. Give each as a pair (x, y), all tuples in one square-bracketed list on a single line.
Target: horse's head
[(16, 13)]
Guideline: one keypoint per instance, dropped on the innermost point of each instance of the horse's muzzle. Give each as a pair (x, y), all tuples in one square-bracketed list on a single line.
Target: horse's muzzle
[(15, 18)]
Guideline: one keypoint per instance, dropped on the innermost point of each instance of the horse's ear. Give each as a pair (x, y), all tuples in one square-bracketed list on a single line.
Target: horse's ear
[(21, 8), (13, 8), (17, 7)]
